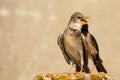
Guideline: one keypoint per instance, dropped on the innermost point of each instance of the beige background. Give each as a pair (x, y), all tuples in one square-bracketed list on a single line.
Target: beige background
[(29, 31)]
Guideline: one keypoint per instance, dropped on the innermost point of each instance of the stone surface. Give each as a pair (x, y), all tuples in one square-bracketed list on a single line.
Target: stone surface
[(72, 76)]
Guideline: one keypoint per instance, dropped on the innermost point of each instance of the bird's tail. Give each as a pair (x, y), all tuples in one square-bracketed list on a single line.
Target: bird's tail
[(100, 67)]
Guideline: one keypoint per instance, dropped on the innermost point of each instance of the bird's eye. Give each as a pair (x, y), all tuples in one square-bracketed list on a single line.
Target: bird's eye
[(79, 17)]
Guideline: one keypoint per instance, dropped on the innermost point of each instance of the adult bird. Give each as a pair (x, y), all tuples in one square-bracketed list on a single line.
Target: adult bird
[(77, 44), (92, 48), (72, 44)]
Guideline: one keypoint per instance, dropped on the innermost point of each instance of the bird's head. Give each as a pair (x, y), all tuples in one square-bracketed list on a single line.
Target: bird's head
[(79, 18), (77, 21)]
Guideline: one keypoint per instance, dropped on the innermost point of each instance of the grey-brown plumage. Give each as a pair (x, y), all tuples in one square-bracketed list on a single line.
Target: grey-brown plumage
[(77, 44), (72, 43)]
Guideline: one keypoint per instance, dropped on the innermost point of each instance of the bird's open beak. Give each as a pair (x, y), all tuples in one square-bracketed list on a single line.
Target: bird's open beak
[(83, 20)]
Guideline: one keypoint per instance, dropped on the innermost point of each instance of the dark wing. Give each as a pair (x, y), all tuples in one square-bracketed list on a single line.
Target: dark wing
[(94, 42), (60, 42), (99, 64)]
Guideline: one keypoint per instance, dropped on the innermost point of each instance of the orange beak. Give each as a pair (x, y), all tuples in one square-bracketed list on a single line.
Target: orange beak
[(84, 20)]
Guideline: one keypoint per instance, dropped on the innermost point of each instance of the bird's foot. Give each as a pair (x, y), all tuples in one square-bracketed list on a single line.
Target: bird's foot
[(81, 71)]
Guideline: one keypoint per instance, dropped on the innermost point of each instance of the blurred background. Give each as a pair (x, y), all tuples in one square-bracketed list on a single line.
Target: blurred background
[(29, 31)]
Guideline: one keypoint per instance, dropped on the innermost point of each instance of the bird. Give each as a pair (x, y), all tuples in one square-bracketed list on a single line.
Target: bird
[(78, 45), (92, 48), (72, 44)]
